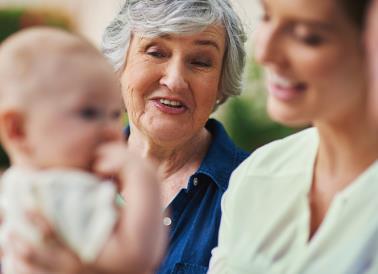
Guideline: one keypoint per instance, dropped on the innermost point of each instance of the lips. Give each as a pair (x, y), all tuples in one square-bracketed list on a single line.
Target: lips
[(169, 105), (283, 88)]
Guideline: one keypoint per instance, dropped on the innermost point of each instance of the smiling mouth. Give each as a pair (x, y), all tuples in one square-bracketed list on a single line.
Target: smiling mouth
[(284, 88), (171, 103), (170, 106)]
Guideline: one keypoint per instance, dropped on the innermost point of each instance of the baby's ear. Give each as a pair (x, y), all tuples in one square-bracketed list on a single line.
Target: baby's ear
[(13, 127)]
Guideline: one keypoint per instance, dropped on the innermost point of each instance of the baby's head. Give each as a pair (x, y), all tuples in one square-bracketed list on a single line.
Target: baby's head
[(59, 100)]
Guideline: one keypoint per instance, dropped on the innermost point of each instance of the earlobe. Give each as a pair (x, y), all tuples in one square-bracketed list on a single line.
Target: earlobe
[(219, 100), (12, 123)]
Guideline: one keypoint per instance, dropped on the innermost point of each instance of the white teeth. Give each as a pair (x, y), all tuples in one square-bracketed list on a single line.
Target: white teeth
[(170, 103), (279, 80)]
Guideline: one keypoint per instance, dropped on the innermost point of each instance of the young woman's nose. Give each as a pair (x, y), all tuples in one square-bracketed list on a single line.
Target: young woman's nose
[(174, 75), (268, 47)]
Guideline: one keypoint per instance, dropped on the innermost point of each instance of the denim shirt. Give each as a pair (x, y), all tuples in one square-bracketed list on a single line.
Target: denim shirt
[(194, 215)]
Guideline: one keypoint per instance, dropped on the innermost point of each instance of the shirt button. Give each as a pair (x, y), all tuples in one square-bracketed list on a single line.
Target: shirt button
[(167, 221), (195, 181)]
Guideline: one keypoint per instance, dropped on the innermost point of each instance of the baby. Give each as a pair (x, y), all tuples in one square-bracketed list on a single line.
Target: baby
[(60, 108)]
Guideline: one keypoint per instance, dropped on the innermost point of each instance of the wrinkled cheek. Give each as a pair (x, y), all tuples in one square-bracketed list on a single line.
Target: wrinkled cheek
[(129, 99), (132, 103)]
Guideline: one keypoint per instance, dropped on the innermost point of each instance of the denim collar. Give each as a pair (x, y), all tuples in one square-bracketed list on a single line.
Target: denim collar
[(215, 165)]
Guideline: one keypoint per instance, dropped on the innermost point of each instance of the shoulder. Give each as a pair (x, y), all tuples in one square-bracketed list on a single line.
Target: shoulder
[(14, 177), (281, 156), (280, 163), (272, 173)]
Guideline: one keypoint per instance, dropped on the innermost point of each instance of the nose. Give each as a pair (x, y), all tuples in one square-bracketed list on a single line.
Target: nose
[(174, 75), (268, 48)]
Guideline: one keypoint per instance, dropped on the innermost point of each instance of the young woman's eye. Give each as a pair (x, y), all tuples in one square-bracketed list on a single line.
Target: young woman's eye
[(90, 113), (306, 36), (312, 40)]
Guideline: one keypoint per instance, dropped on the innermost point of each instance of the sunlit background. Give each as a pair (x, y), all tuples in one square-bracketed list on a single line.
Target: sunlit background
[(245, 117)]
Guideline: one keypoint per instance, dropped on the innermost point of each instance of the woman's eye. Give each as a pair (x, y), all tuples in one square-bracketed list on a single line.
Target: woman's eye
[(156, 53), (202, 63), (90, 113), (312, 40), (306, 36)]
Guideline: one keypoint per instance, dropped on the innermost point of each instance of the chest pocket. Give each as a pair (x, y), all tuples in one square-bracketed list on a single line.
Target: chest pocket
[(184, 268)]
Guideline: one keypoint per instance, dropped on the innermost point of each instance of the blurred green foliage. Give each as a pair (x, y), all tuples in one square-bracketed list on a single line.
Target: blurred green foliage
[(10, 22), (3, 158), (245, 116), (15, 19)]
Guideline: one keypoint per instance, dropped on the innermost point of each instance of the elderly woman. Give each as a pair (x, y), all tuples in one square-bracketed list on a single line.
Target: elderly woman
[(177, 60), (308, 203)]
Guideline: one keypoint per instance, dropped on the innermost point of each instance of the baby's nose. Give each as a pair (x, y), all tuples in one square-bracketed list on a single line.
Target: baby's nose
[(112, 131)]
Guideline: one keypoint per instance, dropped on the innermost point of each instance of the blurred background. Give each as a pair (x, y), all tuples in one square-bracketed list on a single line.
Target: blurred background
[(244, 117)]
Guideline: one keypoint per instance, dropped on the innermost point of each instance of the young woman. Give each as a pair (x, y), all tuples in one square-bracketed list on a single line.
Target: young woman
[(308, 203)]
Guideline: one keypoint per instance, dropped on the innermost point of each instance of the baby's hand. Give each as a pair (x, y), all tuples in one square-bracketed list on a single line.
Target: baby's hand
[(139, 238), (116, 161)]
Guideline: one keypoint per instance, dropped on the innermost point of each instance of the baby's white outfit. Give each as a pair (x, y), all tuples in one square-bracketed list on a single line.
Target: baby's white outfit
[(78, 205)]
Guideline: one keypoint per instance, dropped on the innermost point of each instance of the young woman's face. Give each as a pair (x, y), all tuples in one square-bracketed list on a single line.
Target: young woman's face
[(314, 61), (171, 83)]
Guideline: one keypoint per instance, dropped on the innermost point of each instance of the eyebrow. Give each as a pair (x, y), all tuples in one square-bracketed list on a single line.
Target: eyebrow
[(322, 26), (201, 42), (207, 43)]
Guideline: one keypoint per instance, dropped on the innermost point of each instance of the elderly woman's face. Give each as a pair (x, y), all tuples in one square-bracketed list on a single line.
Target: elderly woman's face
[(314, 60), (171, 83)]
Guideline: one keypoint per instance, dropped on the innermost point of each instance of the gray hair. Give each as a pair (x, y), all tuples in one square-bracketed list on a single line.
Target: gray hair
[(160, 17)]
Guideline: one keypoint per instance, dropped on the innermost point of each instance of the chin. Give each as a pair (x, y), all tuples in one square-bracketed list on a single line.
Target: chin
[(166, 133), (287, 116)]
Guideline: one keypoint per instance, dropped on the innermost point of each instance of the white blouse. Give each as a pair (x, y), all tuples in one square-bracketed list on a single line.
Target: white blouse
[(266, 217)]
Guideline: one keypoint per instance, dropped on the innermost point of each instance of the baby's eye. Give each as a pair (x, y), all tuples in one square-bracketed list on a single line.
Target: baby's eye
[(116, 114), (90, 113)]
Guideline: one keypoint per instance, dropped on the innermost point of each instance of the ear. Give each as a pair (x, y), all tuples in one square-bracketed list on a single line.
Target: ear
[(13, 127)]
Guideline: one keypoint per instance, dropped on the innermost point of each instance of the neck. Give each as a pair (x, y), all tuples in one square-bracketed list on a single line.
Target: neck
[(21, 161), (346, 148), (172, 158)]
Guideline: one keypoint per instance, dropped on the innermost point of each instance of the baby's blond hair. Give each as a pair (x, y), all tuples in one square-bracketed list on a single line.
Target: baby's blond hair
[(30, 57)]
